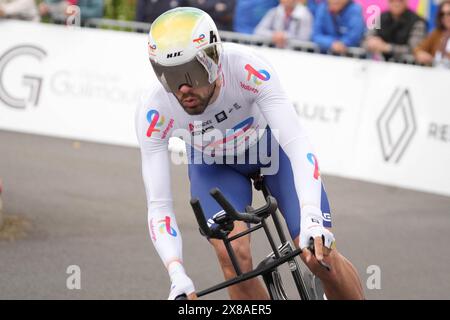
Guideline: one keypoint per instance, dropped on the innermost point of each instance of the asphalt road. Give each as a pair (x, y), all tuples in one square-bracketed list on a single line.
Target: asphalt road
[(86, 203)]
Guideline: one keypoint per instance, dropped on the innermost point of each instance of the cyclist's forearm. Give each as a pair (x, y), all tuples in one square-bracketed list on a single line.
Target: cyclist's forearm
[(162, 224), (305, 167), (166, 239), (306, 171)]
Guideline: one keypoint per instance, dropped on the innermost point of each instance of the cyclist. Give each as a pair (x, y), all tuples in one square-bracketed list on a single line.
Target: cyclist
[(208, 88)]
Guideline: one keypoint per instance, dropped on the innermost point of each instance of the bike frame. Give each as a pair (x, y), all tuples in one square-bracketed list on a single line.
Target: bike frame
[(268, 267)]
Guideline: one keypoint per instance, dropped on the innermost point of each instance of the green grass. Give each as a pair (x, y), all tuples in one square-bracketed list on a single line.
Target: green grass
[(120, 9)]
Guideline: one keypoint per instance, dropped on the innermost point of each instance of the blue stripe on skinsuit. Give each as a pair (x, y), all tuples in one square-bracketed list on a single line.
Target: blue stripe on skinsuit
[(325, 207)]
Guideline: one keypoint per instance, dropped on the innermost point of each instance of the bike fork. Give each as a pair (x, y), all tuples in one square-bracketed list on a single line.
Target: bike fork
[(274, 285)]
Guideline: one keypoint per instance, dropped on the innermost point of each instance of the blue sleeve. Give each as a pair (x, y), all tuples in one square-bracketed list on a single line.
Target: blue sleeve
[(356, 28), (94, 10), (323, 40)]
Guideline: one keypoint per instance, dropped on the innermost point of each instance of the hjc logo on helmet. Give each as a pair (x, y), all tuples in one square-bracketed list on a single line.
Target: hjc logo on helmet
[(174, 54), (212, 37)]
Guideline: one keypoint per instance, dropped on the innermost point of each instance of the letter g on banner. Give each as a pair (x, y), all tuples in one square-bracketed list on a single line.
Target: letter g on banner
[(32, 81)]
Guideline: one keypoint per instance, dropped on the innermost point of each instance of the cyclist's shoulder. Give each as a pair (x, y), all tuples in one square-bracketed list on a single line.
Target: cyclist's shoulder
[(249, 70), (238, 58), (153, 117), (238, 52)]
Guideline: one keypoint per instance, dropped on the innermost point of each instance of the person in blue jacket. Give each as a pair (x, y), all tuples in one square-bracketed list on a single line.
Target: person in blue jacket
[(338, 24), (312, 5), (248, 13)]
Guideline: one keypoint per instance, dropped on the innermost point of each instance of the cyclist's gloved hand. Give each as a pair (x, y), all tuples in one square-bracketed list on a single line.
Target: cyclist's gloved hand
[(312, 228), (181, 284)]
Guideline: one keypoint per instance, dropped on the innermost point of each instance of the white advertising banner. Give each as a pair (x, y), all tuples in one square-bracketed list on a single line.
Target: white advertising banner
[(327, 93), (404, 139), (71, 82), (380, 122)]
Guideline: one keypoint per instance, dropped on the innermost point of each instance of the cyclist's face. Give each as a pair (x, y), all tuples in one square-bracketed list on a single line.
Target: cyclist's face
[(195, 101)]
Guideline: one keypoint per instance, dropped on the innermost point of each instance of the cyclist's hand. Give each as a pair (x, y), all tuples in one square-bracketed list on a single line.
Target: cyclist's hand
[(313, 232), (181, 284)]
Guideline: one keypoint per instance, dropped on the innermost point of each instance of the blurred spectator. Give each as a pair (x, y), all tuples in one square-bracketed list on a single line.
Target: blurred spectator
[(58, 11), (290, 20), (442, 58), (19, 9), (248, 14), (91, 9), (220, 10), (312, 5), (401, 30), (338, 24), (54, 9), (149, 10), (436, 47)]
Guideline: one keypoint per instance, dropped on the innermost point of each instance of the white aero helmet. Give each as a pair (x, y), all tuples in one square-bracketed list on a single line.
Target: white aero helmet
[(184, 48)]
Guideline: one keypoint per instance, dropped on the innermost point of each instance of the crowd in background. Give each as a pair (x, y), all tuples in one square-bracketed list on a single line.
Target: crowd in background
[(334, 25), (56, 10)]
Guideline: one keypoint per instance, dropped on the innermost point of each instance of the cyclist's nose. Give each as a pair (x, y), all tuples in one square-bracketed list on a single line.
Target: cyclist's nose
[(184, 88)]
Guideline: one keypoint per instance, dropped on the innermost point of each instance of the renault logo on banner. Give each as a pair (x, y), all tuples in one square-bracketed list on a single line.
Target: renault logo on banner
[(31, 81), (396, 125)]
